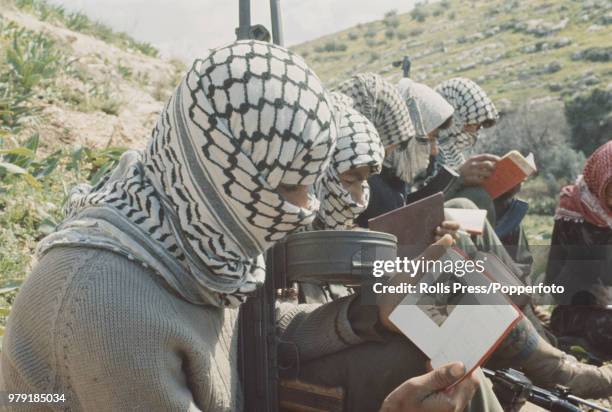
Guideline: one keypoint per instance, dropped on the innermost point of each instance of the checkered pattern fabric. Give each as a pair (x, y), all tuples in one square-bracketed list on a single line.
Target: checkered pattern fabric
[(472, 106), (358, 145), (249, 117), (379, 102)]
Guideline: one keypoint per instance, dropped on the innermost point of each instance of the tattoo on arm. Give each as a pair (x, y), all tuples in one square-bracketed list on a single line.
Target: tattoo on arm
[(520, 343)]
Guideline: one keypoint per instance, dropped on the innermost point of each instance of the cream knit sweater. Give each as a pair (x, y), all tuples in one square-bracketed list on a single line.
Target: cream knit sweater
[(109, 335)]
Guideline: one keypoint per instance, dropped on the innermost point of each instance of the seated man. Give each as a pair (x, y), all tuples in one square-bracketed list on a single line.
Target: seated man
[(581, 255), (474, 111)]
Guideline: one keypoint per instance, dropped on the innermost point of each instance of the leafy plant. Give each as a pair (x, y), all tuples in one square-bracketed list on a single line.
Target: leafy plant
[(13, 106), (124, 71), (31, 59), (78, 22), (97, 162), (21, 161)]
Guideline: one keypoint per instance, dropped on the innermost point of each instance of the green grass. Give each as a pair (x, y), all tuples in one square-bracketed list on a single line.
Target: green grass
[(81, 23), (33, 189), (436, 54), (29, 62)]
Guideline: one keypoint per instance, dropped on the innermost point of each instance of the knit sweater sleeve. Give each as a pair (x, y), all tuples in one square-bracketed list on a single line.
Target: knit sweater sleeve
[(316, 330), (121, 348)]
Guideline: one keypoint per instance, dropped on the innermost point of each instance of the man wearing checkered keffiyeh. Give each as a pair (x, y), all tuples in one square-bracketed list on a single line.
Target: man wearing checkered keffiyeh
[(473, 110)]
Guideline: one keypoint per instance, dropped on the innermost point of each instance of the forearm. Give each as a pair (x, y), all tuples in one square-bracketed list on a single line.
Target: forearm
[(518, 346), (316, 330)]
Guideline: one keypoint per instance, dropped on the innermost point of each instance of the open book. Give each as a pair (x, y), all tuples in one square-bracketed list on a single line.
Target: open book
[(470, 220), (511, 170), (455, 326)]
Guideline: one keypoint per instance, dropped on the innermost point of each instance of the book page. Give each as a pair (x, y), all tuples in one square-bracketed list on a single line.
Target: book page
[(454, 327), (470, 220)]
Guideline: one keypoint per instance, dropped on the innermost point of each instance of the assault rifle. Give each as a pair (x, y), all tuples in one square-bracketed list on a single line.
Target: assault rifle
[(511, 386)]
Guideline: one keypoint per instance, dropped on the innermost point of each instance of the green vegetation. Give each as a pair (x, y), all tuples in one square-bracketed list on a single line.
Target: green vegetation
[(36, 176), (33, 189), (506, 46), (79, 22), (28, 61)]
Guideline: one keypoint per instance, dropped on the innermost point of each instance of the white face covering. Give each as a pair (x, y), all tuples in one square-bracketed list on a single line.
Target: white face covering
[(428, 111), (358, 145)]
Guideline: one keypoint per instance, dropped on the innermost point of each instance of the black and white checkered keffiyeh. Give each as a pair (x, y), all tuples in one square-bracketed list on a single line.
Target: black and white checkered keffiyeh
[(472, 106), (200, 205), (358, 145), (379, 102)]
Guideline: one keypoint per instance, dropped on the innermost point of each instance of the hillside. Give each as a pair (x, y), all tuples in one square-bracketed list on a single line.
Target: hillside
[(73, 96), (85, 85), (518, 50)]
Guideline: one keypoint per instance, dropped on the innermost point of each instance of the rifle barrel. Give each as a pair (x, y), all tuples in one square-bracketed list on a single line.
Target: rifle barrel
[(591, 405), (244, 15), (277, 23)]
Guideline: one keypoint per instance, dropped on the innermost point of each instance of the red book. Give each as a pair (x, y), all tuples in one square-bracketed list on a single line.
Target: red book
[(511, 170)]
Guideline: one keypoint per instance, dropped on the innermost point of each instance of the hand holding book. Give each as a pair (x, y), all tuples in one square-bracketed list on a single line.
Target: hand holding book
[(478, 168), (510, 171), (429, 393)]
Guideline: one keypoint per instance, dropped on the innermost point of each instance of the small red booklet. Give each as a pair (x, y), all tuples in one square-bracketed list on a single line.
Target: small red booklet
[(511, 170)]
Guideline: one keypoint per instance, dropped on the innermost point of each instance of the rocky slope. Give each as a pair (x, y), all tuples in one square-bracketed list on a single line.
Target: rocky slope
[(517, 49)]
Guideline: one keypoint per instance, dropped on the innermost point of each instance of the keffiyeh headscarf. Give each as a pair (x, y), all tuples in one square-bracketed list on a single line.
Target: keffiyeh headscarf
[(586, 199), (358, 145), (200, 205), (380, 103), (472, 106), (428, 111)]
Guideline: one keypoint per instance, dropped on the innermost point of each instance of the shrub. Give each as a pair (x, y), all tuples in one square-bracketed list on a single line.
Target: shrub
[(391, 19), (370, 33), (334, 46), (590, 118), (78, 22), (390, 34), (419, 14), (391, 13), (402, 35)]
